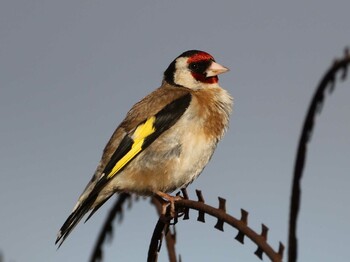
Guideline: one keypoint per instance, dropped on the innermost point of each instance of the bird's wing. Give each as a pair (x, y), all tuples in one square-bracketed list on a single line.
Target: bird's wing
[(133, 142), (141, 137)]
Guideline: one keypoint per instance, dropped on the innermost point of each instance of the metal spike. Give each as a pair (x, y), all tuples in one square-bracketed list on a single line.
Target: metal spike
[(222, 206), (184, 193), (281, 250), (201, 214), (222, 203), (186, 213), (240, 237), (244, 219), (186, 209), (264, 231), (259, 253), (244, 216), (200, 196)]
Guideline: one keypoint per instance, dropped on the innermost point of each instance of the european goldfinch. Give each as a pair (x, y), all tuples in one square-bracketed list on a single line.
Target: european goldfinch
[(165, 140)]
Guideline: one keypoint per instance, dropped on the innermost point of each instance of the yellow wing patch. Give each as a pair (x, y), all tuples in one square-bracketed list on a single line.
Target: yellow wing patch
[(139, 136)]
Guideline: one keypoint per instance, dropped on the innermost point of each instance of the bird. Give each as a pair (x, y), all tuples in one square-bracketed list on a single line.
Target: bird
[(165, 140)]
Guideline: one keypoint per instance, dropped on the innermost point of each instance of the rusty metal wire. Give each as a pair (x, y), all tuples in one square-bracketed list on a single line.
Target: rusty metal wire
[(328, 81), (241, 224), (170, 235), (156, 240), (107, 229)]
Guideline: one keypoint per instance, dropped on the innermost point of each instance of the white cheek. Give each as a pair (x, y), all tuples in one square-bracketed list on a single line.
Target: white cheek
[(183, 75), (185, 78)]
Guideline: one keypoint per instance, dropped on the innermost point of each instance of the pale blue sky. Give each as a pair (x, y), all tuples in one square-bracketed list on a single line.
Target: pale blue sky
[(70, 70)]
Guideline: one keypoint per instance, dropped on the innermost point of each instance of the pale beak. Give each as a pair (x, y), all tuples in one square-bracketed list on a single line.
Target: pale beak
[(216, 69)]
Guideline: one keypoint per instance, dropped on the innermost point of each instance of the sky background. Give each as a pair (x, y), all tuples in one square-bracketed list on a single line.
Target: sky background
[(70, 70)]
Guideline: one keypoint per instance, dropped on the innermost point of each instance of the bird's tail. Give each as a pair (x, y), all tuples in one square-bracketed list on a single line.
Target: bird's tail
[(83, 206), (73, 220), (91, 199)]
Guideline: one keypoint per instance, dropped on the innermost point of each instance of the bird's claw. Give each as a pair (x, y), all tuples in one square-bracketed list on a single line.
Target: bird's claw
[(166, 200)]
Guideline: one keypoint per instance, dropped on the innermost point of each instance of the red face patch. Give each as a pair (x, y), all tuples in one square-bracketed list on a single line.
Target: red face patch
[(206, 80), (200, 56)]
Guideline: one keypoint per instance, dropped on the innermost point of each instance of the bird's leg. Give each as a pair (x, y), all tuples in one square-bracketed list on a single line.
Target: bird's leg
[(169, 200)]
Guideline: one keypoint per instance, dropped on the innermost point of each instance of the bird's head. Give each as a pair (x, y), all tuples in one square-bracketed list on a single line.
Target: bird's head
[(194, 69)]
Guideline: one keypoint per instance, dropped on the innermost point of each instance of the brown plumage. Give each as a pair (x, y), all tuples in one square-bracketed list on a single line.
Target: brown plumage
[(165, 140)]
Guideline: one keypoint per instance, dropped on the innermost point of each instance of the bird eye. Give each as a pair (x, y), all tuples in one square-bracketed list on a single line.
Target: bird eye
[(199, 67), (194, 66)]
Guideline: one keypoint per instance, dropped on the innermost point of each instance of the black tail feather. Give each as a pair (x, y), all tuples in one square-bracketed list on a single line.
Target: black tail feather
[(81, 210), (96, 208), (71, 222)]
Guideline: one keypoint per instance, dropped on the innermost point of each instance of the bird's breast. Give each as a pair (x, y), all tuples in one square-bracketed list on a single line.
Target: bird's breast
[(179, 154)]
